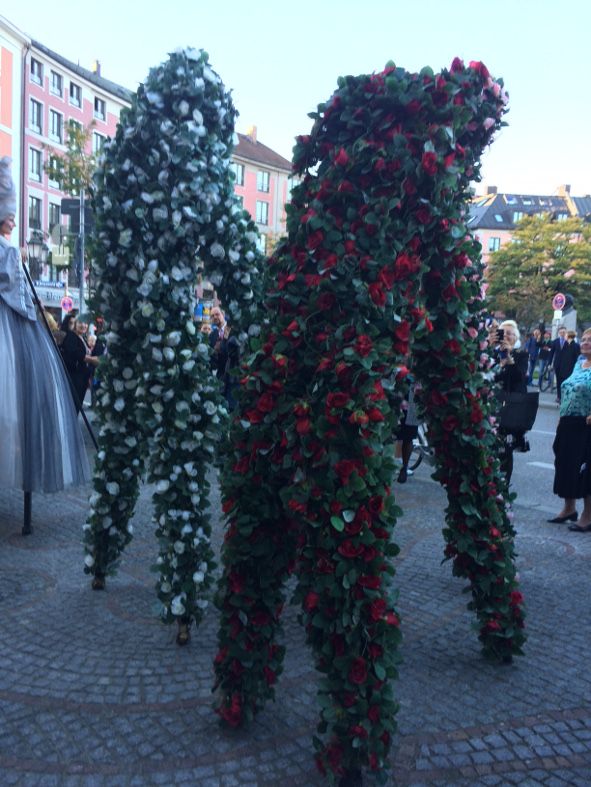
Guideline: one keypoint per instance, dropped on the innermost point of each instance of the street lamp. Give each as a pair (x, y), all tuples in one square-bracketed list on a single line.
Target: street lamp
[(37, 254)]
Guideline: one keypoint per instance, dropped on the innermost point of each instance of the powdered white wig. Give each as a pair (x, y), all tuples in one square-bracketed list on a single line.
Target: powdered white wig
[(7, 190)]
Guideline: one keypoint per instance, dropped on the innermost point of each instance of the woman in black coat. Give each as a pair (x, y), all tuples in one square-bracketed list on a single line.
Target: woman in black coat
[(512, 377), (74, 352)]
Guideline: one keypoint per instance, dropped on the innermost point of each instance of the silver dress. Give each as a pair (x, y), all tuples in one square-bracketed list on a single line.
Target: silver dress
[(41, 444)]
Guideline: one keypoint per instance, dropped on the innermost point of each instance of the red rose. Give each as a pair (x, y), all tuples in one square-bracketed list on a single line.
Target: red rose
[(350, 550), (350, 247), (357, 731), (449, 293), (438, 399), (221, 656), (303, 425), (363, 345), (370, 582), (377, 609), (358, 671), (344, 469), (232, 714), (377, 294), (387, 277), (236, 582), (311, 601), (375, 415), (405, 265), (450, 423), (376, 504), (315, 240), (337, 400), (266, 403), (402, 331), (457, 65), (228, 505), (373, 714), (260, 618), (480, 68), (374, 763), (242, 466), (392, 619), (326, 301), (423, 215), (429, 163), (341, 159)]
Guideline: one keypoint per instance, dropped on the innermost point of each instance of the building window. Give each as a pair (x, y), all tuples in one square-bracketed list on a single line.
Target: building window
[(517, 216), (262, 212), (498, 218), (494, 244), (56, 126), (263, 181), (53, 165), (561, 216), (240, 202), (98, 140), (262, 244), (34, 213), (55, 215), (36, 71), (35, 164), (100, 109), (238, 170), (75, 95), (36, 116), (56, 84)]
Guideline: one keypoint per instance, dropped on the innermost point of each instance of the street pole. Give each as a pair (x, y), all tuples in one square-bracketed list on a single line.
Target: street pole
[(81, 271)]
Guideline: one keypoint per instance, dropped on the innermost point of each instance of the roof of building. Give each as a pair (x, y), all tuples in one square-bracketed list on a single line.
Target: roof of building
[(497, 211), (255, 151), (100, 82)]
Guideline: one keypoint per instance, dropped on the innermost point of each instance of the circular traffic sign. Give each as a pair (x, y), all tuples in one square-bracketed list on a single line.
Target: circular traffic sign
[(67, 303), (558, 301)]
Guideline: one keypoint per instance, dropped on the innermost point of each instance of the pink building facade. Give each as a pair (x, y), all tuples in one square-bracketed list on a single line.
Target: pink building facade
[(58, 93), (263, 184), (13, 43)]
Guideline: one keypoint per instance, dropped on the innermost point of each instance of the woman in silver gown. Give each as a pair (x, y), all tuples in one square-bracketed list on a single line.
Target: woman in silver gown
[(41, 445)]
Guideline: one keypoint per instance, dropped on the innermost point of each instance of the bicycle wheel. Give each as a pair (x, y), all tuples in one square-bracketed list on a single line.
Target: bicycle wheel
[(416, 455), (546, 379)]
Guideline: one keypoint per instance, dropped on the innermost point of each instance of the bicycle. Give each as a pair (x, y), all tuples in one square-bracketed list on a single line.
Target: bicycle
[(421, 449), (547, 380)]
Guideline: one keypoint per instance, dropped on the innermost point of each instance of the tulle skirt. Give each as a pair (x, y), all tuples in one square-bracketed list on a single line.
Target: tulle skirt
[(41, 444)]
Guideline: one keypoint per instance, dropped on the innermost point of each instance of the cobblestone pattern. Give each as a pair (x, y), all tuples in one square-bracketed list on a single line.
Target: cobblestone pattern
[(94, 691)]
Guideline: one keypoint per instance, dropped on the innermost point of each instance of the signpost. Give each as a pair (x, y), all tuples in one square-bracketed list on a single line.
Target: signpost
[(67, 303)]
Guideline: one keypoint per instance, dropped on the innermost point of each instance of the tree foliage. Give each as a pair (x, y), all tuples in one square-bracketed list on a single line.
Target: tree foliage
[(545, 256), (74, 169)]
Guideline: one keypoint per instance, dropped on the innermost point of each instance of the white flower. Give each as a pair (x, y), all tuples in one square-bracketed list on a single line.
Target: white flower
[(177, 607), (179, 547), (119, 404), (198, 577), (210, 407), (89, 561), (165, 587), (113, 488), (169, 353), (183, 108), (162, 486), (125, 237), (217, 250)]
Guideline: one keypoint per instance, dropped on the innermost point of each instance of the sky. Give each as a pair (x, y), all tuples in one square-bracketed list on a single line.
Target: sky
[(281, 59)]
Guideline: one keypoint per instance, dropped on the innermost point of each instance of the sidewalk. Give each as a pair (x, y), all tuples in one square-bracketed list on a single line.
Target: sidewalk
[(94, 691)]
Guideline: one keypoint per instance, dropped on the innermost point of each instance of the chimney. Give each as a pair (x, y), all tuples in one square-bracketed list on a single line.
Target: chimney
[(252, 133), (491, 189), (96, 68), (563, 190)]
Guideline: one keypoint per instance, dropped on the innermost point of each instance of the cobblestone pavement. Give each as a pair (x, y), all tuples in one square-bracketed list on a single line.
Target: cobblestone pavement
[(94, 690)]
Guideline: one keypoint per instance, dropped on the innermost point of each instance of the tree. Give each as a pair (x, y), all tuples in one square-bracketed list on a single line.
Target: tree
[(545, 256), (75, 168)]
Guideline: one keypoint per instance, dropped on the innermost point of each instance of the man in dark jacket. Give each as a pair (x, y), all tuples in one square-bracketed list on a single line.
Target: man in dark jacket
[(565, 356)]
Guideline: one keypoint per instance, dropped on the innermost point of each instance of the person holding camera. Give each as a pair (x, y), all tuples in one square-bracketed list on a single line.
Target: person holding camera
[(511, 375)]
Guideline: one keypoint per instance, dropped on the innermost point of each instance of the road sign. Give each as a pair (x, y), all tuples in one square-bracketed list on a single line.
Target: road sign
[(558, 301), (67, 303)]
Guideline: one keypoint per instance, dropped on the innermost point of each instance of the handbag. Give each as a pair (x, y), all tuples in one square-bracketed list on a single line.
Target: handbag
[(518, 410)]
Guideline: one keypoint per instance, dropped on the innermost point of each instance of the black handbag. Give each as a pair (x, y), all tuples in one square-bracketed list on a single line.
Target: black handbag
[(518, 410)]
